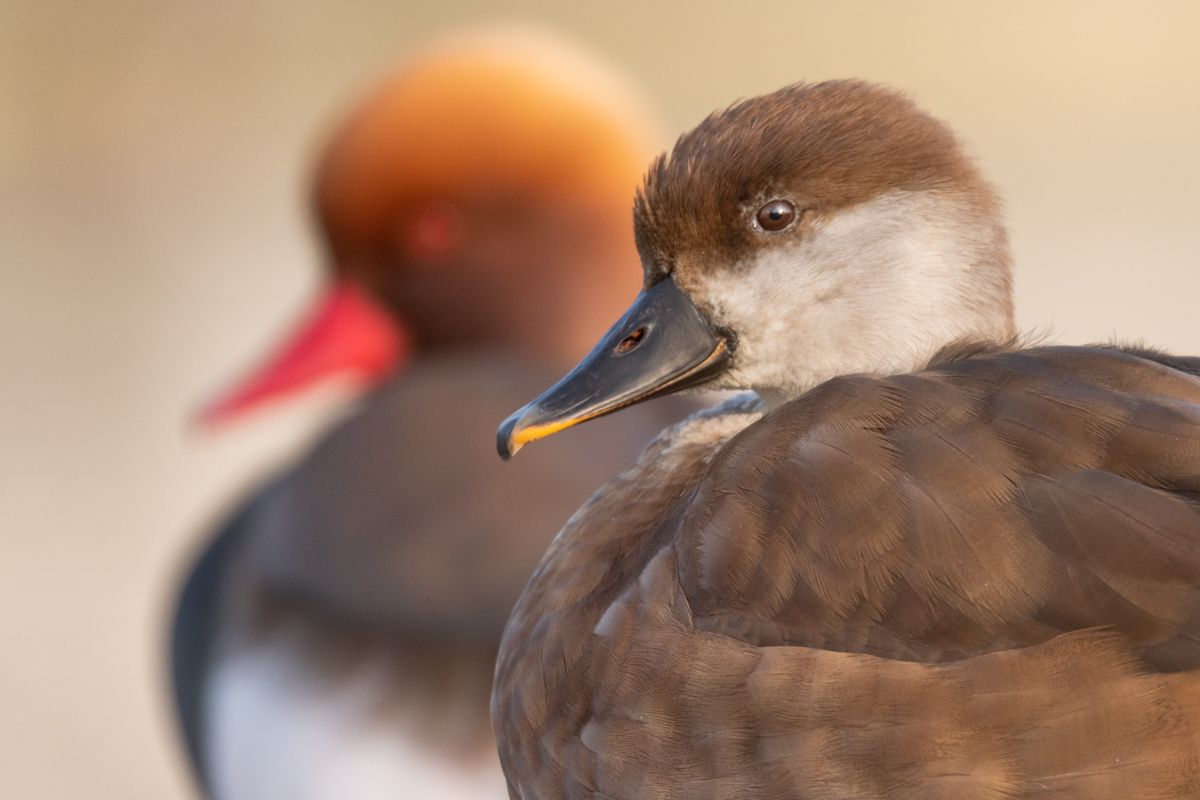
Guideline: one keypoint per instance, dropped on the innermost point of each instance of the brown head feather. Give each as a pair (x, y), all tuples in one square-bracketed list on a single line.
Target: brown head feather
[(826, 145)]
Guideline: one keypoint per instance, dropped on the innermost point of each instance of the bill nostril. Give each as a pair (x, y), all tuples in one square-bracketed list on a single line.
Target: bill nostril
[(631, 341)]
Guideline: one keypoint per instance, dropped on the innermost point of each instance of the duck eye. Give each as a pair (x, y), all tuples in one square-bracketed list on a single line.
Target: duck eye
[(776, 215)]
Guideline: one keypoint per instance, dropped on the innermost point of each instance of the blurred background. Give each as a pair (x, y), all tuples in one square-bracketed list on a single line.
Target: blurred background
[(155, 235)]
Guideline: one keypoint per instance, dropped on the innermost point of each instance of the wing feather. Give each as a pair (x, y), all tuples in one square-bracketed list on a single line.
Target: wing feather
[(989, 503)]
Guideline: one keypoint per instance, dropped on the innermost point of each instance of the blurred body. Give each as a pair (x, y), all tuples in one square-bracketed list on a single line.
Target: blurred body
[(347, 619), (338, 635)]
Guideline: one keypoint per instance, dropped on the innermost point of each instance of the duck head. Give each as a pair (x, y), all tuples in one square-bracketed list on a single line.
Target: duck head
[(820, 230), (478, 197)]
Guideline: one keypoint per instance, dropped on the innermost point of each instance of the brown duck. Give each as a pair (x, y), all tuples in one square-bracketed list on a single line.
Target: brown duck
[(925, 561)]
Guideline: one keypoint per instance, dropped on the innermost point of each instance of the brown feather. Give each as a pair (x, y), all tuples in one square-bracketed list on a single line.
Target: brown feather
[(977, 581), (838, 143)]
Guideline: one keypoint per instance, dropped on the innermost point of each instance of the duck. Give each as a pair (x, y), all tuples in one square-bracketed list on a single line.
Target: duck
[(336, 634), (919, 556)]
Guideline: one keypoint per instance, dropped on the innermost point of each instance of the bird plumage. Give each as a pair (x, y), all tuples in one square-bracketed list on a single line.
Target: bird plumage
[(984, 582)]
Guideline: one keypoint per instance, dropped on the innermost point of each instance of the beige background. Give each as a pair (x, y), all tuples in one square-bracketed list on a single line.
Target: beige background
[(153, 237)]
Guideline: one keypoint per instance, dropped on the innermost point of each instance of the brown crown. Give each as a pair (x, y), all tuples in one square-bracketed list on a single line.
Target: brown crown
[(825, 146)]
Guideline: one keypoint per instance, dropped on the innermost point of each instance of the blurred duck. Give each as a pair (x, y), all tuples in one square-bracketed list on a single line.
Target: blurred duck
[(337, 637)]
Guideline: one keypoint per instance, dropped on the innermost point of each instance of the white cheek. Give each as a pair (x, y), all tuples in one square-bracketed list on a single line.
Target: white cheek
[(877, 288)]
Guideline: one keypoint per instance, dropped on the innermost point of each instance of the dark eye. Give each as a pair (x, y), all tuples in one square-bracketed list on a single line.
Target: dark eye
[(776, 215)]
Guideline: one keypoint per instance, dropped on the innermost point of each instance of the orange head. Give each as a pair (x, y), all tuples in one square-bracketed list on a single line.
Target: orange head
[(479, 196)]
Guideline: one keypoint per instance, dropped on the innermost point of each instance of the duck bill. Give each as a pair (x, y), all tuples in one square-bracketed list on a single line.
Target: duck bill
[(661, 345), (345, 333)]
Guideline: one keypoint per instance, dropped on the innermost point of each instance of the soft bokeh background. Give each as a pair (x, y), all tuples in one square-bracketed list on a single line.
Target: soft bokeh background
[(154, 237)]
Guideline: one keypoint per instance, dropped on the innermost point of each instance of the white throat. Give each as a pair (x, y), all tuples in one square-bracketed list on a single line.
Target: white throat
[(877, 288)]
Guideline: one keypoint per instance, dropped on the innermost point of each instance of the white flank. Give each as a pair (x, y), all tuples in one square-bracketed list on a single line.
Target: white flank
[(280, 732)]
